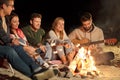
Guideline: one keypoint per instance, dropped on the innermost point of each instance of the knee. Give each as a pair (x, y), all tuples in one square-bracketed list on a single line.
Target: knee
[(10, 50), (10, 53), (18, 48), (68, 50)]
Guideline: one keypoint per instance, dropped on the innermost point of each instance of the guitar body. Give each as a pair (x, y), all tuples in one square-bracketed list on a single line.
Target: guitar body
[(83, 41)]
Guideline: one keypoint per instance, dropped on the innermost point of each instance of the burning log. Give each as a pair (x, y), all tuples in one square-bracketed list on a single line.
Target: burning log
[(84, 64)]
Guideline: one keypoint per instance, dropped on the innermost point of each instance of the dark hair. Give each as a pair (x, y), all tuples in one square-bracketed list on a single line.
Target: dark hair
[(12, 15), (4, 2), (10, 18), (35, 15), (85, 16)]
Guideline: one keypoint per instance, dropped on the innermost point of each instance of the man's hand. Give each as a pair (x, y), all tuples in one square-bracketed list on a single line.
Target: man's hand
[(67, 45), (92, 47)]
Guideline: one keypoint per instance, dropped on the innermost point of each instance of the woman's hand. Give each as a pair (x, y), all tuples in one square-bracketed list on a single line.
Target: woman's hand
[(15, 41), (29, 49)]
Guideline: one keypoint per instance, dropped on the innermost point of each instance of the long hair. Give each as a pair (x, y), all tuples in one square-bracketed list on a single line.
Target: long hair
[(11, 16), (55, 22)]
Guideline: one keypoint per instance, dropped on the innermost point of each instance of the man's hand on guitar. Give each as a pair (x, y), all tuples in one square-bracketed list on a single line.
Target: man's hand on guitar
[(111, 41), (92, 47)]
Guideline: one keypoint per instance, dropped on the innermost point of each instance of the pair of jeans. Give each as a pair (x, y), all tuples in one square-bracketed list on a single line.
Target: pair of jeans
[(63, 50), (19, 60), (48, 54)]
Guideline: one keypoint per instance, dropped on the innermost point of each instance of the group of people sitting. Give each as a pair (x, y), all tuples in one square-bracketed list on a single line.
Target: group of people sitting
[(39, 46), (56, 44), (31, 50)]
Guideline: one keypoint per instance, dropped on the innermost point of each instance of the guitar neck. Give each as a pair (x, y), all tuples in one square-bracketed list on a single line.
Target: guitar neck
[(94, 42), (110, 41)]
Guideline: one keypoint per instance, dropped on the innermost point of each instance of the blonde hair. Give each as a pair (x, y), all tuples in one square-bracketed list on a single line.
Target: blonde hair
[(55, 22)]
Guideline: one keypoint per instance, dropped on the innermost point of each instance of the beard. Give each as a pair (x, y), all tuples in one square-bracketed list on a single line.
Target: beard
[(87, 28)]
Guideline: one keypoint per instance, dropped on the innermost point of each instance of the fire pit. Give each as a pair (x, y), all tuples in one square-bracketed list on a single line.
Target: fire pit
[(99, 72), (83, 64)]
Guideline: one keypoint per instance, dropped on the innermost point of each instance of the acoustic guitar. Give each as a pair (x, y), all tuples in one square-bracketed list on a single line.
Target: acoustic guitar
[(86, 42)]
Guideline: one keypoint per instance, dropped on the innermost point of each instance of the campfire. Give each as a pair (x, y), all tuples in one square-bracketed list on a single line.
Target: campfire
[(83, 64)]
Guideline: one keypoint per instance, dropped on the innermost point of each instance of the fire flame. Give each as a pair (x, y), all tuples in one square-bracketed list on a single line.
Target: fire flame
[(84, 63)]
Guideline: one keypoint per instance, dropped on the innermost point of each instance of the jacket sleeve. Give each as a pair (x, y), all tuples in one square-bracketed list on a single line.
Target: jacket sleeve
[(4, 37)]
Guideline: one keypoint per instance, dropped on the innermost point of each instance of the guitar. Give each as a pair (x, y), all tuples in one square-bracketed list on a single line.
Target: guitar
[(85, 42)]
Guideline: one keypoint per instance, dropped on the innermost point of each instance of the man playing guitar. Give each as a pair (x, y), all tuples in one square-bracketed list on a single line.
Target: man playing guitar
[(88, 33)]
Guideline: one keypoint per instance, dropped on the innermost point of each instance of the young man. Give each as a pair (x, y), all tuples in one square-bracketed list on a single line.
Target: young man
[(35, 35), (8, 48), (87, 33)]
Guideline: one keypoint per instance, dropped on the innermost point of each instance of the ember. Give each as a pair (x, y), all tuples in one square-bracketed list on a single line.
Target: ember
[(84, 64)]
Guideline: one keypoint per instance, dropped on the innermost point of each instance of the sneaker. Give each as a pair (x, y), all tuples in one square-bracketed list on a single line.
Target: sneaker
[(69, 74), (46, 74)]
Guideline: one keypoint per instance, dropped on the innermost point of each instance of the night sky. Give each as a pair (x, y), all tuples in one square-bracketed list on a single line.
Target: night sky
[(50, 9), (106, 13)]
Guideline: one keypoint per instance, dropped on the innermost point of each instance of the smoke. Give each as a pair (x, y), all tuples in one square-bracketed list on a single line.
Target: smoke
[(109, 15)]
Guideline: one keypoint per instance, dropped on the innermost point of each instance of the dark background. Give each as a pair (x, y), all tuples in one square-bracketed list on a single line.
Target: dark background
[(106, 13)]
